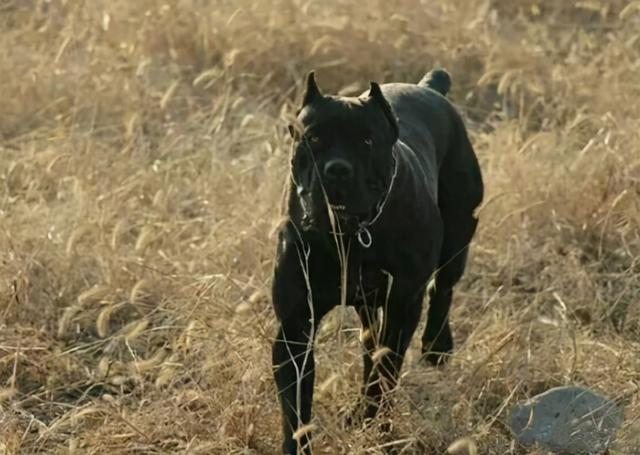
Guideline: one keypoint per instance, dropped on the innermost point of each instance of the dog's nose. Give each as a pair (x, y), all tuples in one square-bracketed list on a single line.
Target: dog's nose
[(338, 169)]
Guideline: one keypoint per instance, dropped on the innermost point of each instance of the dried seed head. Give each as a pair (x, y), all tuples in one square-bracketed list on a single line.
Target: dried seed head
[(65, 321), (102, 322), (463, 446), (95, 293)]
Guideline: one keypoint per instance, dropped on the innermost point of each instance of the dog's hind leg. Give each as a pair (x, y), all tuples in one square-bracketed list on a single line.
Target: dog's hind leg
[(460, 193), (437, 341)]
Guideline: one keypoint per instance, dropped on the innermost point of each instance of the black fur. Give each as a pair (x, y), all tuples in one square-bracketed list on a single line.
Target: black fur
[(312, 91), (411, 191), (438, 79)]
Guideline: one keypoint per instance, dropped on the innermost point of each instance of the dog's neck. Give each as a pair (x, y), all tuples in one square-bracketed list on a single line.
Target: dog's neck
[(363, 234)]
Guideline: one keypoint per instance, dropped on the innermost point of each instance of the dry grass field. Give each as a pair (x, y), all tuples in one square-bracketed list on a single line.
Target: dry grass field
[(143, 152)]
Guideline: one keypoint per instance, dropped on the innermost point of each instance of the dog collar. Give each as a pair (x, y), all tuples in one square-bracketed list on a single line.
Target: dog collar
[(363, 234)]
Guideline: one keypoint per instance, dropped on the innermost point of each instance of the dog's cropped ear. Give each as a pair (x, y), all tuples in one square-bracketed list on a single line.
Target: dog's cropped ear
[(312, 92), (375, 94)]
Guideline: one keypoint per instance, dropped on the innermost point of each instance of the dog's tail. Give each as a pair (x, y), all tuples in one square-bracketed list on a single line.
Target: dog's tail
[(438, 80)]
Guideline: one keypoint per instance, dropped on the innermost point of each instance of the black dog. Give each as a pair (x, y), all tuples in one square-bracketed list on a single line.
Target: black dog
[(382, 197)]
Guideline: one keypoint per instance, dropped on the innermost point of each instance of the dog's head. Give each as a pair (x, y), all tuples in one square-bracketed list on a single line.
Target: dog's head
[(342, 159)]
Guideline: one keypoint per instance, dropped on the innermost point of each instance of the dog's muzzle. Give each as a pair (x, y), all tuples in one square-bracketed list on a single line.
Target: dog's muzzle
[(337, 171)]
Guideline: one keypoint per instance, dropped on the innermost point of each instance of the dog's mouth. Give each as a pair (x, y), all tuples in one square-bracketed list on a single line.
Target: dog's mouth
[(342, 213), (314, 215)]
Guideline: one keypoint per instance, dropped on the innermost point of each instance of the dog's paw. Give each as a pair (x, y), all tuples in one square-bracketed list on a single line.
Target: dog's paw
[(436, 359), (364, 413), (438, 352), (357, 419)]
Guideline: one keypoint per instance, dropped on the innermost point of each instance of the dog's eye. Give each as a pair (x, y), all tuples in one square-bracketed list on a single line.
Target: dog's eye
[(368, 141)]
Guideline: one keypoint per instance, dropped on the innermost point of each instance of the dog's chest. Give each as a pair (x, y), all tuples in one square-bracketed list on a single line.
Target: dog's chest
[(369, 284)]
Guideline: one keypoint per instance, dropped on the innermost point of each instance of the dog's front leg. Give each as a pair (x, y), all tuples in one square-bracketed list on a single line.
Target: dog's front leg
[(292, 353), (294, 372), (401, 315)]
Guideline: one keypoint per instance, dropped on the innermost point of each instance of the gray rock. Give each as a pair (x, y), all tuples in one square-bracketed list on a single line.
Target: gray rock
[(568, 420)]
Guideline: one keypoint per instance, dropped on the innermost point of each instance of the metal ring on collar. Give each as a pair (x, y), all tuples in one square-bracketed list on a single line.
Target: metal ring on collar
[(364, 236)]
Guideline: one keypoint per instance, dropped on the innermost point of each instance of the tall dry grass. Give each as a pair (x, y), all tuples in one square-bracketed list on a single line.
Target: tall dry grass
[(142, 157)]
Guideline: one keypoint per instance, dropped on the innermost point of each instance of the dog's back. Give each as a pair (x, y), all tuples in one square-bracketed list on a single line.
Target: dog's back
[(430, 124)]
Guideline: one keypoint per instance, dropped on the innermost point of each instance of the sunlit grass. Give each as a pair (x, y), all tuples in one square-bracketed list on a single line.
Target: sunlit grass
[(143, 153)]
